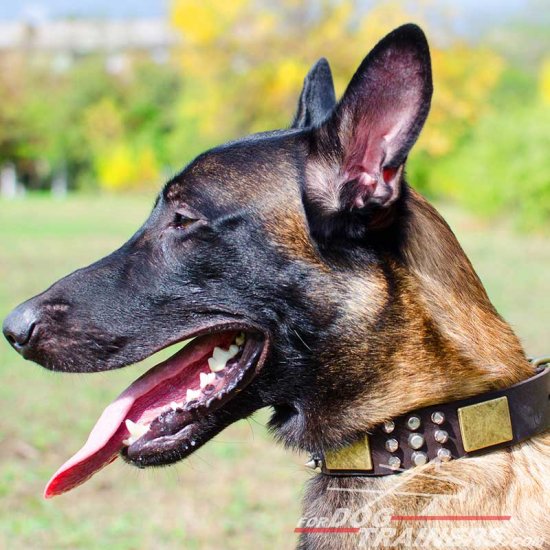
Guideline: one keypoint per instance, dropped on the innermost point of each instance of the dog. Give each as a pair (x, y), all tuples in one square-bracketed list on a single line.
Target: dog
[(313, 280)]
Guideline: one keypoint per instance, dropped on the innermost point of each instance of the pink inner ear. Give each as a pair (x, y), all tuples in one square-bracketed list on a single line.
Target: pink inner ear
[(366, 155), (379, 123), (365, 152), (376, 123), (388, 174), (373, 142)]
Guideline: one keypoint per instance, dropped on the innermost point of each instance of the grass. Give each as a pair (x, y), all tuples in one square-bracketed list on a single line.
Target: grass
[(240, 491)]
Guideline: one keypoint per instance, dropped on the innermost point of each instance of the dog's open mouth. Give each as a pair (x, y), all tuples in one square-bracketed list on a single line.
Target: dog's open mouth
[(159, 409)]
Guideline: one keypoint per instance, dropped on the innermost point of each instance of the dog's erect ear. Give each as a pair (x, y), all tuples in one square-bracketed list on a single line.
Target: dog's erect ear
[(317, 98), (357, 156)]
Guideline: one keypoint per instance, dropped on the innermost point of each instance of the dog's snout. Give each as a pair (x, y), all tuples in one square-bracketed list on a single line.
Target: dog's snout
[(19, 326)]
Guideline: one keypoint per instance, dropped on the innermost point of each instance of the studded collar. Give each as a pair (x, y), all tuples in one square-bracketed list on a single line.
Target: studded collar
[(447, 431)]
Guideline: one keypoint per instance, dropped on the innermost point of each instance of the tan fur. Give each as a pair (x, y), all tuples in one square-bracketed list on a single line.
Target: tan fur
[(323, 181), (512, 482), (288, 233), (471, 350), (447, 343), (455, 298)]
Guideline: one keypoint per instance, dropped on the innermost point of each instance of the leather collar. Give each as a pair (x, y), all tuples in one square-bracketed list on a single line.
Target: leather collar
[(469, 427)]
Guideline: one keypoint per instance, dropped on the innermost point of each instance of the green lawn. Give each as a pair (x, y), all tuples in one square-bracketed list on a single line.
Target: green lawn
[(241, 491)]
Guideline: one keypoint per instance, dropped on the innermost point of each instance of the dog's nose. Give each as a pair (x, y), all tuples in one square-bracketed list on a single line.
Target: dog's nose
[(19, 325)]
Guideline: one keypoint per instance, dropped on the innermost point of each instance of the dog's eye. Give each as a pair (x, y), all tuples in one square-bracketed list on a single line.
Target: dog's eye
[(181, 221)]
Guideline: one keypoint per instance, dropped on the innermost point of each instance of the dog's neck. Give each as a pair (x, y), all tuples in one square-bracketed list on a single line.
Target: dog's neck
[(440, 338), (454, 297), (454, 345), (472, 349)]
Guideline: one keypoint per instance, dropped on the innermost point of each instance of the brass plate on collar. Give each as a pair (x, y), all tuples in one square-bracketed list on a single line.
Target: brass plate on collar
[(354, 457), (485, 424)]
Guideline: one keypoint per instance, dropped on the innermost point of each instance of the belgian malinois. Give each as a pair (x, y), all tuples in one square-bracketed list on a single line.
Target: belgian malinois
[(316, 282)]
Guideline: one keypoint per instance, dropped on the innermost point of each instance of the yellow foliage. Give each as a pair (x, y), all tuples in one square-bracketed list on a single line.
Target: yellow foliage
[(204, 21), (545, 81), (123, 168), (289, 75), (245, 63), (103, 124), (462, 82)]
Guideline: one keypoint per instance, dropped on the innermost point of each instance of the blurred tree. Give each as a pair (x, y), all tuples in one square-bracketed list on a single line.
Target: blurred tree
[(545, 81), (498, 171), (500, 166), (239, 69), (244, 66), (523, 39), (20, 116), (126, 167), (80, 120)]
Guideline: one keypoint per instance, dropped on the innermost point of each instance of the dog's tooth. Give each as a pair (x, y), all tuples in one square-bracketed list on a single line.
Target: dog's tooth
[(136, 431), (175, 406), (223, 354), (206, 379), (220, 357), (219, 354), (203, 379), (130, 425), (239, 340), (216, 365), (193, 394)]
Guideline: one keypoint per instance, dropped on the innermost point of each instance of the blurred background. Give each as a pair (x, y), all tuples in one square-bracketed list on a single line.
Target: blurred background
[(101, 102)]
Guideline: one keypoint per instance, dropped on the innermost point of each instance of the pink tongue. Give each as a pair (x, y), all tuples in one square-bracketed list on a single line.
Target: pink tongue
[(105, 440)]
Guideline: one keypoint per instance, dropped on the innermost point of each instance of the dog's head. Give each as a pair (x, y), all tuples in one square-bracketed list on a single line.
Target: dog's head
[(281, 254)]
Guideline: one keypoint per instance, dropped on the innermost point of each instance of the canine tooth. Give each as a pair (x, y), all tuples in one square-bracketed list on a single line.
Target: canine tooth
[(216, 365), (130, 425), (192, 394), (239, 340), (136, 431)]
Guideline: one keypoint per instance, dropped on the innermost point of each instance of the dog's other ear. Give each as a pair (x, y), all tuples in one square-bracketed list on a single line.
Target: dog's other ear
[(355, 169), (317, 98)]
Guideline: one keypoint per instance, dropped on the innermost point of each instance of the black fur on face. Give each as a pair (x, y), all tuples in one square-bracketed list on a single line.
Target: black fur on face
[(268, 233), (204, 258)]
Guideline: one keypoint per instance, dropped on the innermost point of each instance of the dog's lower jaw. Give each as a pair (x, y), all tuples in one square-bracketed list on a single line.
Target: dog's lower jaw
[(504, 494)]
